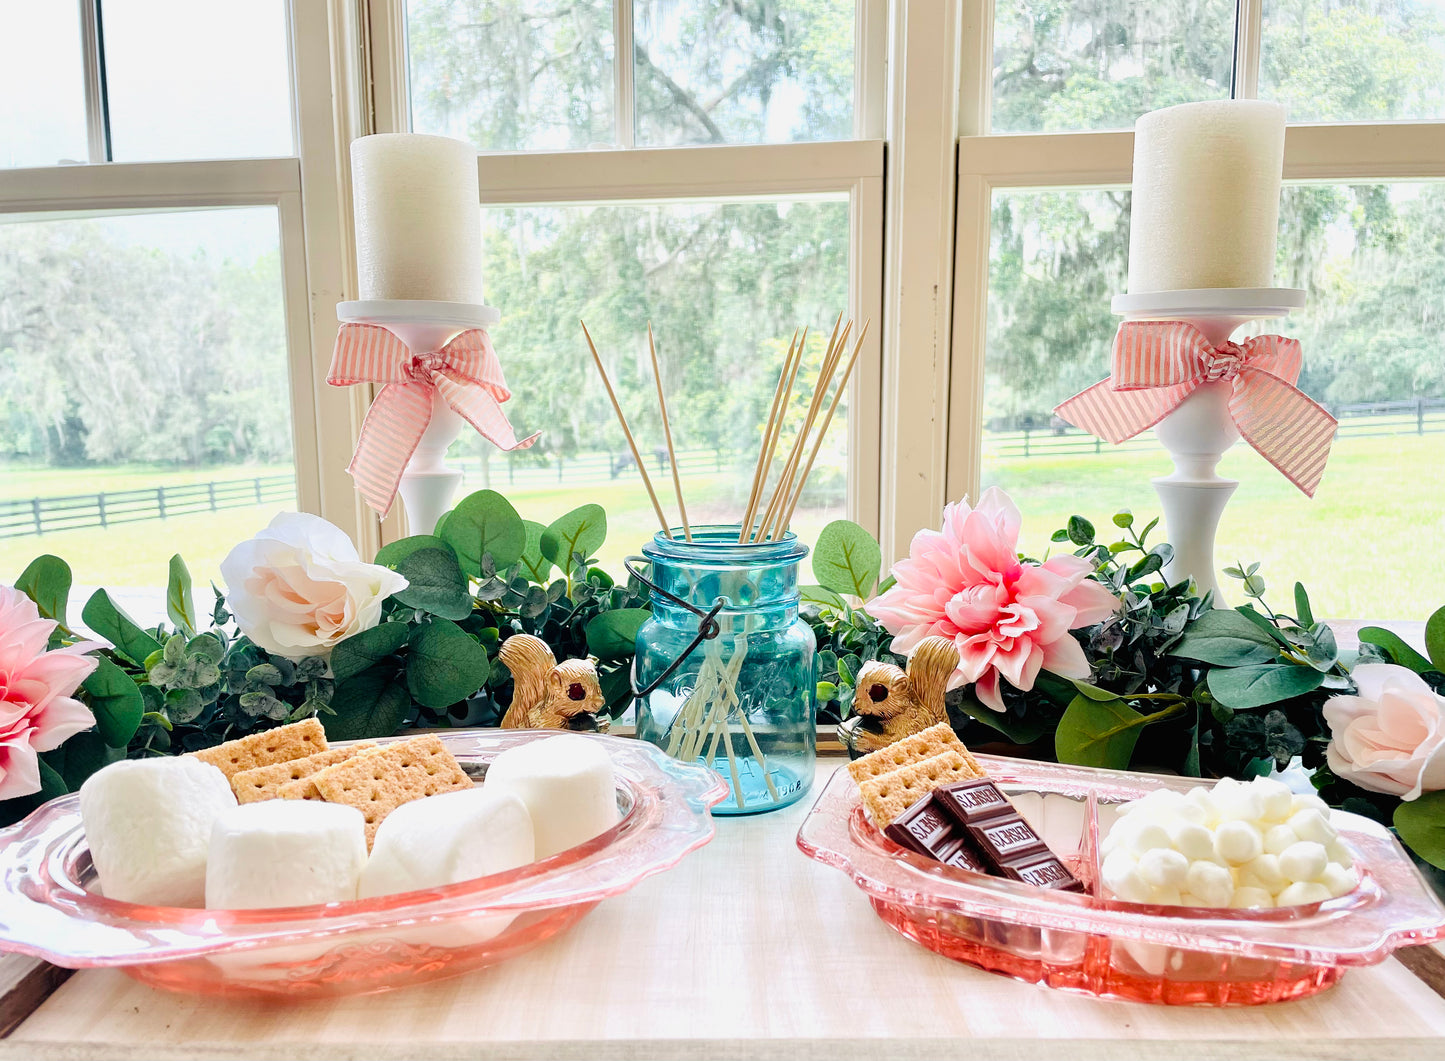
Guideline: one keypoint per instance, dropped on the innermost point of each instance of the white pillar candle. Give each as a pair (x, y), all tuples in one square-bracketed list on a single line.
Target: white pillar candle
[(1206, 196), (418, 227)]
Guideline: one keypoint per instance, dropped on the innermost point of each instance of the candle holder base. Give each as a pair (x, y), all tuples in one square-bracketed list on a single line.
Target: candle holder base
[(427, 486)]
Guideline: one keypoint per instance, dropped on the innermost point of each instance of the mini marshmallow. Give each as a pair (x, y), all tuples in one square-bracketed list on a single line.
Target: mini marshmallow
[(1277, 798), (1310, 824), (1248, 898), (1149, 837), (1263, 872), (1239, 804), (1237, 842), (1338, 852), (1279, 837), (1301, 892), (567, 785), (446, 839), (148, 823), (1192, 840), (1311, 802), (285, 853), (1211, 883), (1163, 868), (1339, 880), (1304, 861)]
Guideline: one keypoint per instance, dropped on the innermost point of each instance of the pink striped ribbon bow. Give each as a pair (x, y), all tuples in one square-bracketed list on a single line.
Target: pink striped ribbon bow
[(1157, 364), (465, 373)]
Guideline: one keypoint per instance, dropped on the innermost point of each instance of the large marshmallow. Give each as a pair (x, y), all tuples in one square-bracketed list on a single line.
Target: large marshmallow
[(285, 853), (567, 784), (446, 839), (148, 823)]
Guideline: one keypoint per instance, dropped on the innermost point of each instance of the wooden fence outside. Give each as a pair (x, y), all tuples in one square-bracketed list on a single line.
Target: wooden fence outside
[(47, 515)]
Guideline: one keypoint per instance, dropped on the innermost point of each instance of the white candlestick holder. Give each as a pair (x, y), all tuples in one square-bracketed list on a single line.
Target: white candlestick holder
[(1197, 433), (428, 486)]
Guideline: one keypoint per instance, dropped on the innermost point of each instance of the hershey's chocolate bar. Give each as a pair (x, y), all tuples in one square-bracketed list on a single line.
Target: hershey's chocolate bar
[(996, 837)]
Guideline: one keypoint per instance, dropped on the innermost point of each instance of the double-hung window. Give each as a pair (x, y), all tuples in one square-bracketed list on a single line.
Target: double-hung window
[(712, 169)]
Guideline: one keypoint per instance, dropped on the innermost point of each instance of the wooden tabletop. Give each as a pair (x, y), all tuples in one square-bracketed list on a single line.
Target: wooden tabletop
[(747, 949)]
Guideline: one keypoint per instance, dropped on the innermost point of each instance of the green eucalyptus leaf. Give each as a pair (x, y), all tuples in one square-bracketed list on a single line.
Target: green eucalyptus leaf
[(847, 559), (581, 531), (1020, 731), (180, 603), (116, 701), (1322, 651), (435, 583), (51, 783), (1081, 531), (1421, 824), (1399, 651), (1227, 639), (821, 596), (1302, 610), (1255, 686), (367, 705), (1124, 518), (1264, 625), (46, 581), (264, 674), (1435, 638), (613, 635), (183, 705), (445, 664), (1098, 733), (360, 652), (392, 554), (484, 524), (111, 622), (206, 646), (1059, 536), (534, 561)]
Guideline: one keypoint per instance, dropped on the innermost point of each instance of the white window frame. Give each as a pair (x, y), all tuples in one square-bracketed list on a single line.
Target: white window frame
[(304, 191), (655, 175), (1323, 152)]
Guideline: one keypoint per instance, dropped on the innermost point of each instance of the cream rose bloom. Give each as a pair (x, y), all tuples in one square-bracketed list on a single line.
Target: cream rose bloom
[(1391, 737), (299, 587)]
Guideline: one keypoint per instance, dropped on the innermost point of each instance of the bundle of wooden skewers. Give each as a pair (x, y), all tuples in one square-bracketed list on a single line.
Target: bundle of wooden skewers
[(759, 523), (702, 722)]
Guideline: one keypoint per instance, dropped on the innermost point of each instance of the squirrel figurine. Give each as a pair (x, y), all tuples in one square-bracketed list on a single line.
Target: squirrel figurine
[(548, 694), (890, 704)]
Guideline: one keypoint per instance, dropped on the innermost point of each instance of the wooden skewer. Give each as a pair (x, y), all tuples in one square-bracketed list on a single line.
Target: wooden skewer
[(776, 422), (617, 408), (818, 442), (760, 471), (667, 433), (825, 374)]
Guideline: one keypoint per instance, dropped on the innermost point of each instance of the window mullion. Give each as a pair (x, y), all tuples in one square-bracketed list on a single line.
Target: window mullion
[(624, 87), (97, 105), (1248, 28)]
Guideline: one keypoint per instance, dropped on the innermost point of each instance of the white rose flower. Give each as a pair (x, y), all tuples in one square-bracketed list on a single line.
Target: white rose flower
[(299, 587), (1391, 737)]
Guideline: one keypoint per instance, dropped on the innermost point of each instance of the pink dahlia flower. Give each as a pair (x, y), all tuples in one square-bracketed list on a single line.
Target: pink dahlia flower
[(37, 709), (1008, 619)]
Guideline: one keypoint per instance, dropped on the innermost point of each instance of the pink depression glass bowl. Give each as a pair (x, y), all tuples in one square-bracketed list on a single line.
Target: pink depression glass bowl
[(49, 908), (1112, 949)]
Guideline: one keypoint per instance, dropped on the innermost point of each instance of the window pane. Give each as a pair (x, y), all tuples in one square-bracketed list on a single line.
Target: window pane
[(191, 80), (724, 285), (715, 71), (1099, 64), (42, 80), (512, 75), (1373, 260), (1355, 60), (143, 395)]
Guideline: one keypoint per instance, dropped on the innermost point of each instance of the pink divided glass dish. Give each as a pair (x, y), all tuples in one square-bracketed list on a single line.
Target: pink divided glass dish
[(1106, 947), (48, 907)]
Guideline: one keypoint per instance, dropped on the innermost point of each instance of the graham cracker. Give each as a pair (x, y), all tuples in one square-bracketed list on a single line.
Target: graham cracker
[(378, 781), (263, 782), (279, 745), (889, 795), (922, 745), (301, 788)]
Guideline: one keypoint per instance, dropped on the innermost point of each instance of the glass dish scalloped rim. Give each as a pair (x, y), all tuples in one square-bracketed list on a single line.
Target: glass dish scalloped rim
[(46, 912), (1392, 907)]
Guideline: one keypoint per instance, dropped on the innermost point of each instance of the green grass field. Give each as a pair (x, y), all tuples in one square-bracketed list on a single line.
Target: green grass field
[(1367, 546)]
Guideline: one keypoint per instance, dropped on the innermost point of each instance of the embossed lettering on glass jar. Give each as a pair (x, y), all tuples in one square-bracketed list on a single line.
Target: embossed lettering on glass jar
[(740, 702)]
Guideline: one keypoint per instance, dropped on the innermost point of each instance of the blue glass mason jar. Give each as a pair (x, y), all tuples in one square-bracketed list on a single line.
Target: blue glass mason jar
[(740, 702)]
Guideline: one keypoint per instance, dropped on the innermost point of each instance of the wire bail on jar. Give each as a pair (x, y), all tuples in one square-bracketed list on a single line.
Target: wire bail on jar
[(707, 628)]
